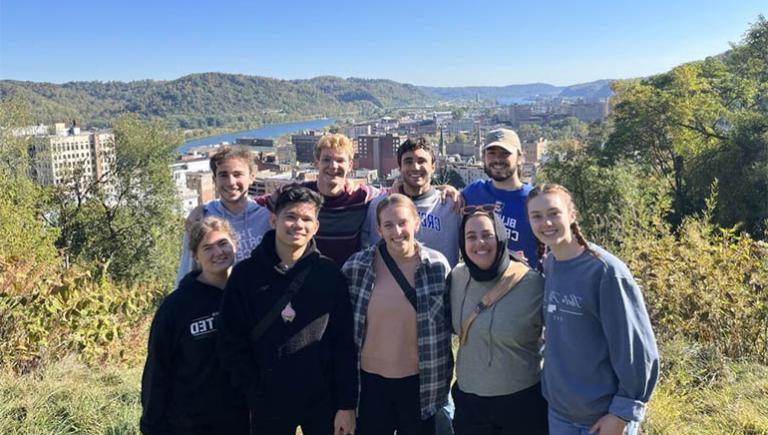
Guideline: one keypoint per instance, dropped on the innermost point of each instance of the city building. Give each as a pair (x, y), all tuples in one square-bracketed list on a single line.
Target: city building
[(462, 149), (254, 142), (286, 154), (588, 111), (455, 126), (189, 198), (305, 146), (201, 182), (418, 127), (377, 152), (356, 130), (68, 155), (468, 171), (534, 150)]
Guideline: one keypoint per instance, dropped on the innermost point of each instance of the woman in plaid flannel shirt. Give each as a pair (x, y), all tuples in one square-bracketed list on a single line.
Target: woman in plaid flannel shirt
[(404, 343)]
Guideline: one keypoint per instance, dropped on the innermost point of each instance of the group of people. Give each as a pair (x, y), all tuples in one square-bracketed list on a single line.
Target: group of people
[(332, 307)]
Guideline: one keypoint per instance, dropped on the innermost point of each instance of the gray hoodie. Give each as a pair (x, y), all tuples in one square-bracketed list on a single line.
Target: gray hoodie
[(600, 355), (249, 227)]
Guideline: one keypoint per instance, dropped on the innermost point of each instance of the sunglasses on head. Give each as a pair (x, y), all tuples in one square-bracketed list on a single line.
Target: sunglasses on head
[(469, 209)]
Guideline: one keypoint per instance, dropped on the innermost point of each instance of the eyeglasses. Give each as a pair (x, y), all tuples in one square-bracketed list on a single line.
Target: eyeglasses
[(469, 209)]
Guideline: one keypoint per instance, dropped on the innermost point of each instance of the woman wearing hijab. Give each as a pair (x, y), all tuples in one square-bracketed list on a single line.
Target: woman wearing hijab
[(496, 310)]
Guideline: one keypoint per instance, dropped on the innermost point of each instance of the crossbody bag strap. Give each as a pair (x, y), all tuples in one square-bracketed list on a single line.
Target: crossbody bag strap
[(270, 317), (405, 286), (514, 273)]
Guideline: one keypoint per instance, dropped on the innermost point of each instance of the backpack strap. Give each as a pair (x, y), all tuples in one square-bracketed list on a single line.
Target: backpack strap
[(514, 273), (405, 286)]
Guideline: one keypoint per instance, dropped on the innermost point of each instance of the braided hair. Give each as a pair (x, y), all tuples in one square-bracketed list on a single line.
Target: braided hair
[(547, 188)]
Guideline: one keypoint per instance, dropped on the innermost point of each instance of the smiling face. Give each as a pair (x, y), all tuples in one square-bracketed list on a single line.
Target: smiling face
[(551, 218), (333, 165), (417, 168), (295, 224), (397, 226), (480, 241), (215, 253), (499, 164), (232, 179)]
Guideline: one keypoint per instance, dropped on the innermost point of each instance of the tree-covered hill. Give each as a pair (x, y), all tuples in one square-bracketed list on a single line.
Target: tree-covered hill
[(596, 89), (213, 99), (228, 100)]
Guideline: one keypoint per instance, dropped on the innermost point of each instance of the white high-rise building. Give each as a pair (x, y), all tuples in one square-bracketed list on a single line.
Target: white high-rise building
[(67, 155)]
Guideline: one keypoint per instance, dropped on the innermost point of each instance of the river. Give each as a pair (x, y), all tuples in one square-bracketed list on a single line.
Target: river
[(270, 131)]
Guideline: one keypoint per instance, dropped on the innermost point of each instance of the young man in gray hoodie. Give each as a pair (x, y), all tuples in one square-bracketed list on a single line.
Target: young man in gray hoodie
[(439, 219), (233, 172)]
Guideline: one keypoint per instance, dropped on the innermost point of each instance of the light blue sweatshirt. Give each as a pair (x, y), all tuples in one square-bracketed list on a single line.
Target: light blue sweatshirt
[(249, 227), (600, 353)]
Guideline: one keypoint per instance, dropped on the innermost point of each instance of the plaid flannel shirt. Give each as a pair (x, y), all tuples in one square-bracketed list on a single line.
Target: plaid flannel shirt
[(432, 324)]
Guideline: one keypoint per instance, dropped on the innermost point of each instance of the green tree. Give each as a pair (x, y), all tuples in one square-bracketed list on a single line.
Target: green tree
[(26, 234), (126, 224), (530, 132), (702, 122), (460, 138), (615, 203)]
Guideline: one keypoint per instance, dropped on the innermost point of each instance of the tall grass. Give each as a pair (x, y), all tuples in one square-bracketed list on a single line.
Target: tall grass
[(702, 392), (67, 397)]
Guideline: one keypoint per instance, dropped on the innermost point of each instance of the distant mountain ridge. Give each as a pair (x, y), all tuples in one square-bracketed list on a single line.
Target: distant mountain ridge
[(596, 89), (225, 100)]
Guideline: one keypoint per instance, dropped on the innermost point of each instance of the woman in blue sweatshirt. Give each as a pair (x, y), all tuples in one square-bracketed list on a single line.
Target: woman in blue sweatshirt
[(184, 390), (601, 363)]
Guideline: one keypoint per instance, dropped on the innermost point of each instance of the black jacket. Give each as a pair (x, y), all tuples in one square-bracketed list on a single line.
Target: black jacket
[(183, 388), (294, 365)]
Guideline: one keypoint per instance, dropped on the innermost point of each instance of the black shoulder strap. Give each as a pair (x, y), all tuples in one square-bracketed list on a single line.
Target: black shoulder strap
[(290, 292), (405, 286)]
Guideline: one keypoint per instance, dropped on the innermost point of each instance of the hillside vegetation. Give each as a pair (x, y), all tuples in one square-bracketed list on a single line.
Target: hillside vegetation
[(212, 99)]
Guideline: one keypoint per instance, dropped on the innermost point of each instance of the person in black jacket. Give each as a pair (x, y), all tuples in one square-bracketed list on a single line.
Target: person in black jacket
[(184, 390), (298, 366)]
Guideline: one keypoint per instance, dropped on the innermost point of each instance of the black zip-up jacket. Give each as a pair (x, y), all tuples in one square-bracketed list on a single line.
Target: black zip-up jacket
[(294, 365), (183, 388)]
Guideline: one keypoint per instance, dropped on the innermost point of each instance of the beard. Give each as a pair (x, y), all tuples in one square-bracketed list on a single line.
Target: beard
[(502, 174)]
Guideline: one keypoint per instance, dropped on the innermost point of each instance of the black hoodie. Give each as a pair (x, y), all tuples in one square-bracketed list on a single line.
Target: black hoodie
[(294, 365), (183, 388)]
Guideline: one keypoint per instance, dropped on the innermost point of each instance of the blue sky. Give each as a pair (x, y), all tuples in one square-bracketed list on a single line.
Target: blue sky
[(424, 42)]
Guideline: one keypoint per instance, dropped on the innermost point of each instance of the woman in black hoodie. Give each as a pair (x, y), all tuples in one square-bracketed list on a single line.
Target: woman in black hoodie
[(184, 390)]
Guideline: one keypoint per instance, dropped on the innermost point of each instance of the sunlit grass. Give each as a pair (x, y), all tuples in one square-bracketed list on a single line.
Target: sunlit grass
[(699, 393)]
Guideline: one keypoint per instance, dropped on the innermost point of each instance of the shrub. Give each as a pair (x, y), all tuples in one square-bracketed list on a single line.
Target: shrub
[(706, 284), (49, 311)]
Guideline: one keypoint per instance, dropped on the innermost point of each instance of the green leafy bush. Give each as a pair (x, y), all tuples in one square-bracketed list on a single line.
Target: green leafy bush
[(706, 284), (49, 311)]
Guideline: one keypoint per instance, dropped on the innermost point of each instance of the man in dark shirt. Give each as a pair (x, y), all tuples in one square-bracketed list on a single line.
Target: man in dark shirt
[(297, 367)]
